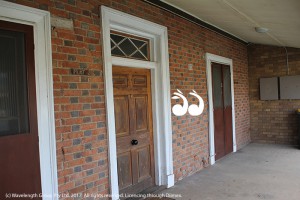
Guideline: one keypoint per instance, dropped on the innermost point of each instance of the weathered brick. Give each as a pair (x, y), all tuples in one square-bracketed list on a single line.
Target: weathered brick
[(73, 86), (83, 65), (97, 73), (100, 124), (100, 149), (59, 5), (88, 159), (97, 99), (71, 57), (96, 60), (88, 146), (68, 43), (86, 106), (101, 162), (91, 47), (85, 92), (43, 7), (77, 169), (87, 119), (82, 52), (74, 99), (101, 137), (102, 174), (90, 34), (87, 133), (75, 113), (84, 79), (76, 141), (72, 2), (86, 12), (77, 155), (94, 86), (98, 112), (84, 25), (75, 128), (89, 185), (89, 172)]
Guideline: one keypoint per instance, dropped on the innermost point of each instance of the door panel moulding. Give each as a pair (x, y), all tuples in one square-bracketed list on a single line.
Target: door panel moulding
[(160, 91)]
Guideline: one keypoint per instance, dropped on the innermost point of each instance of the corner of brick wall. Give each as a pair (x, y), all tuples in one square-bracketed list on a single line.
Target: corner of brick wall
[(272, 121)]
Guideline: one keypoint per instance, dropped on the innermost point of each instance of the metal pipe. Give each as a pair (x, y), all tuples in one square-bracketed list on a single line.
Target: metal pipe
[(287, 61)]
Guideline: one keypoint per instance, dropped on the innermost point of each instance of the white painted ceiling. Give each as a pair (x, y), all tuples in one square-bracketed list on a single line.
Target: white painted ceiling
[(240, 17)]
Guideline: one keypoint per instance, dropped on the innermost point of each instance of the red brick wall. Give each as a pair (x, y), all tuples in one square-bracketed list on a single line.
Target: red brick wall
[(272, 121), (79, 100)]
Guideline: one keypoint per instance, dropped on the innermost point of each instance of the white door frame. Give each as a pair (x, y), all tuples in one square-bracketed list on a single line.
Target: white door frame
[(40, 20), (226, 61), (160, 86)]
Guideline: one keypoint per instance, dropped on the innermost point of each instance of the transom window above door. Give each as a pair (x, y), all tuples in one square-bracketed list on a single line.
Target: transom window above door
[(129, 46)]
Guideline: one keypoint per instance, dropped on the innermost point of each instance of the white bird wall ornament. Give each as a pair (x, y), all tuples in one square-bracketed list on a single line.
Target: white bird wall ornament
[(178, 109), (194, 109)]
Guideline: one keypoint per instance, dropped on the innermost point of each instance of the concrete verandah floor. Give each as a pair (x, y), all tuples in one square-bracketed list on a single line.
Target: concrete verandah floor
[(258, 171)]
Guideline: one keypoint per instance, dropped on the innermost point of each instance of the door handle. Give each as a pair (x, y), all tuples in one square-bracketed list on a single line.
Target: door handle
[(134, 142)]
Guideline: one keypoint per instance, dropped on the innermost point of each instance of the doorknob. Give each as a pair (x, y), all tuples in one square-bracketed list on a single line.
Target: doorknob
[(134, 142)]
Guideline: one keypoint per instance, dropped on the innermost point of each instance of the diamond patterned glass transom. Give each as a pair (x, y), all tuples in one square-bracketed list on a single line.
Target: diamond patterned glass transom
[(129, 46)]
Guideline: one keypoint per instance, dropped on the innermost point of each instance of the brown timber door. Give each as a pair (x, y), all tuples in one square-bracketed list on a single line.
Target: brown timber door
[(222, 105), (133, 123), (19, 146)]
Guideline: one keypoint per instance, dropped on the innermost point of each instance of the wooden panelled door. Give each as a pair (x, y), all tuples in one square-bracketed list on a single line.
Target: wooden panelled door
[(133, 123), (19, 146), (222, 104)]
